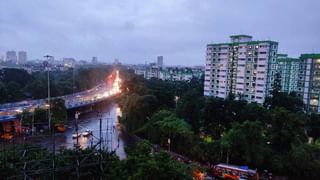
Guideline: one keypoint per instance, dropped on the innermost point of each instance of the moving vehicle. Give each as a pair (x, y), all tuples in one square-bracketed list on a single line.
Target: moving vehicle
[(60, 127), (87, 132), (233, 172), (7, 136), (75, 135)]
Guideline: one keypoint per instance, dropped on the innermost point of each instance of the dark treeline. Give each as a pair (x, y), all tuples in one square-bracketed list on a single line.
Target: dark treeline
[(273, 136), (140, 163), (17, 84)]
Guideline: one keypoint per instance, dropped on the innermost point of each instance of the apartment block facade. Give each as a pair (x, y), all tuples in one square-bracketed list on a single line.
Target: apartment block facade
[(242, 67), (308, 87), (288, 69)]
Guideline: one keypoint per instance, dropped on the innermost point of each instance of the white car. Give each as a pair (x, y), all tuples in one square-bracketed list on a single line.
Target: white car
[(75, 135), (87, 132)]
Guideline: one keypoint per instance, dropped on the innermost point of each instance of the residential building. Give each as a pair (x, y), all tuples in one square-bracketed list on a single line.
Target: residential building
[(51, 60), (152, 71), (69, 62), (309, 81), (168, 73), (160, 61), (180, 73), (11, 56), (288, 69), (94, 60), (116, 62), (140, 70), (242, 67), (22, 57)]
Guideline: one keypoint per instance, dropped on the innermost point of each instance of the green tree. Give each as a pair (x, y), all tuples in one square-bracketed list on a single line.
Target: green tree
[(189, 107), (313, 126), (177, 130), (286, 130), (14, 91), (245, 143), (40, 117), (305, 161), (3, 92), (142, 164), (59, 111), (137, 109)]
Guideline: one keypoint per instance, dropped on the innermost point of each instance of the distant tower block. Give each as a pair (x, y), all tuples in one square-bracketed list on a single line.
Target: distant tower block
[(160, 61), (11, 56), (22, 57), (94, 60)]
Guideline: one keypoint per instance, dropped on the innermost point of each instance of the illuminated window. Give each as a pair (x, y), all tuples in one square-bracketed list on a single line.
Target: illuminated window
[(314, 102)]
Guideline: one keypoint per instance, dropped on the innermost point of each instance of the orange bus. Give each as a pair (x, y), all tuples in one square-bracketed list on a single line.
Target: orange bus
[(232, 172)]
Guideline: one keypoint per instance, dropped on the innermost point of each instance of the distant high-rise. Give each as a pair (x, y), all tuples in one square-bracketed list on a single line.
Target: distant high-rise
[(11, 56), (69, 62), (22, 57), (288, 69), (242, 67), (116, 61), (51, 60), (308, 81), (94, 60), (160, 61)]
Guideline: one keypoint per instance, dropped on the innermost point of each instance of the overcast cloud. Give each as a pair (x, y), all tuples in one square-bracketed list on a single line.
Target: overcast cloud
[(136, 31)]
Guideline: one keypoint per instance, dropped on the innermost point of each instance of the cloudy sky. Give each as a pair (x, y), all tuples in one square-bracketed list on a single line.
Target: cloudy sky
[(136, 31)]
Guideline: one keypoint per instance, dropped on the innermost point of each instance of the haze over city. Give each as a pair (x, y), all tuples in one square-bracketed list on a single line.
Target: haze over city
[(137, 32)]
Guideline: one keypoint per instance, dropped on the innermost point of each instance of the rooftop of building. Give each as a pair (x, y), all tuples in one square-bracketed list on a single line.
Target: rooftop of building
[(310, 56), (242, 39), (285, 57), (240, 35), (282, 55), (239, 43)]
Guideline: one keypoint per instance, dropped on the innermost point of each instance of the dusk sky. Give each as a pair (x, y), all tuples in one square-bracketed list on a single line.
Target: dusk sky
[(138, 31)]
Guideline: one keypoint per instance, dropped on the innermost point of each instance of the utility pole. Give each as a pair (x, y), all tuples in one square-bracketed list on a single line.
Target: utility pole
[(32, 130), (100, 150), (73, 80), (77, 133), (77, 146), (54, 154), (46, 63)]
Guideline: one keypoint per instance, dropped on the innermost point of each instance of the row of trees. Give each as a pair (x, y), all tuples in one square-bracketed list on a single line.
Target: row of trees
[(17, 84), (39, 117), (141, 163), (272, 136)]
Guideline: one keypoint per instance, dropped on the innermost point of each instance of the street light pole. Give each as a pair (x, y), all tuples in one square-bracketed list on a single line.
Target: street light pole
[(49, 107), (73, 80), (77, 133), (33, 122)]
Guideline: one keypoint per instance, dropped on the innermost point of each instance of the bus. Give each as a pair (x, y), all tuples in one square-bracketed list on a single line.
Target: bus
[(233, 172)]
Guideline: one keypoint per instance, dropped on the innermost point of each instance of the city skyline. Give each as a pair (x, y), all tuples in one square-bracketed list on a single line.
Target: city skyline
[(139, 32)]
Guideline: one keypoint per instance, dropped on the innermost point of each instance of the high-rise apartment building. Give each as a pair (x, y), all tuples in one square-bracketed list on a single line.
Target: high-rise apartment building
[(160, 61), (94, 60), (288, 69), (242, 67), (69, 62), (309, 81), (22, 57), (11, 56)]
